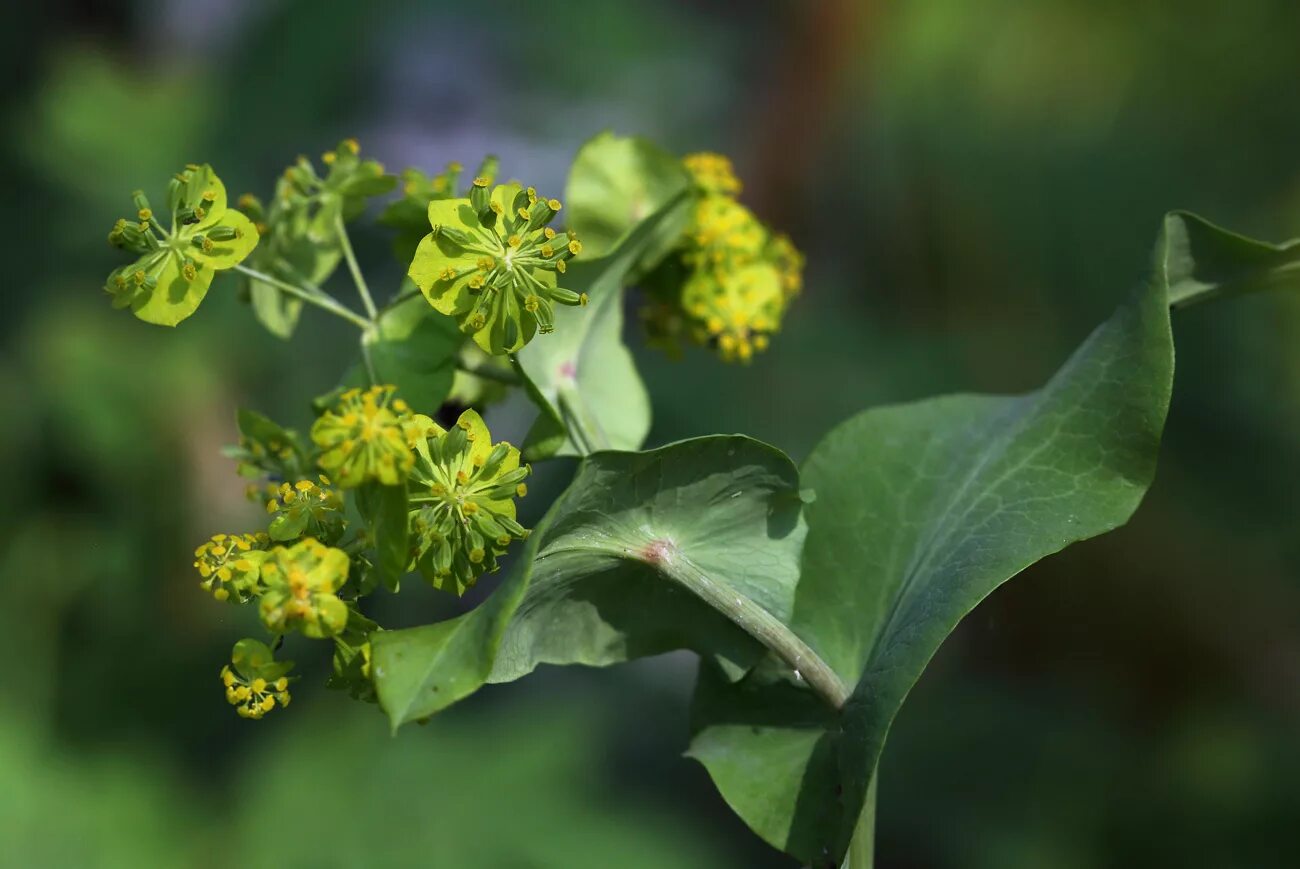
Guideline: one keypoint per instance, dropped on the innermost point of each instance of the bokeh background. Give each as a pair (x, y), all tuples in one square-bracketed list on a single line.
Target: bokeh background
[(975, 185)]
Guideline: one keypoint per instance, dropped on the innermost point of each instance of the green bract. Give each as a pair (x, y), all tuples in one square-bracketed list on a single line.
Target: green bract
[(301, 581), (363, 438), (464, 488), (176, 264), (257, 682), (493, 262)]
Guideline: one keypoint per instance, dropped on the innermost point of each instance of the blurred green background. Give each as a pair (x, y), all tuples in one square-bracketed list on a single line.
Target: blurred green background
[(975, 185)]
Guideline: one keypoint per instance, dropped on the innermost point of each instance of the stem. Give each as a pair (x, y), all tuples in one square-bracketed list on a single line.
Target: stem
[(752, 618), (357, 278), (576, 419), (366, 337), (319, 298)]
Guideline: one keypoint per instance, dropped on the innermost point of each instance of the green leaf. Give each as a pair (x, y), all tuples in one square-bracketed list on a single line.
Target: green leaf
[(924, 509), (616, 183), (686, 546), (276, 310), (420, 671), (721, 515), (414, 349), (295, 257), (1203, 260), (582, 376), (385, 511)]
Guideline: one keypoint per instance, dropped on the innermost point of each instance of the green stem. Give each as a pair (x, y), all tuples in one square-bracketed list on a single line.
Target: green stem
[(752, 618), (319, 298), (366, 337), (578, 421), (357, 277)]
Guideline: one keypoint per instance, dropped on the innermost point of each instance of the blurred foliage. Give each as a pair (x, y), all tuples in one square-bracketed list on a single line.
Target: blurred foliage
[(1112, 709)]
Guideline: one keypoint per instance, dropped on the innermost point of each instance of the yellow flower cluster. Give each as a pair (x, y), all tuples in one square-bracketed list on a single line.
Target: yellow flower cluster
[(363, 438), (301, 581), (253, 698), (306, 508), (229, 565), (739, 276), (712, 173)]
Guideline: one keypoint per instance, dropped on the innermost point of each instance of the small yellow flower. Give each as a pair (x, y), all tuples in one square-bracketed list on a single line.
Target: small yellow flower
[(301, 581), (230, 564), (255, 682), (362, 438)]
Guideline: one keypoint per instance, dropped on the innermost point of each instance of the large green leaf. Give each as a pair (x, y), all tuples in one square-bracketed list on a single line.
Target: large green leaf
[(720, 515), (582, 375), (615, 183), (922, 510), (687, 546)]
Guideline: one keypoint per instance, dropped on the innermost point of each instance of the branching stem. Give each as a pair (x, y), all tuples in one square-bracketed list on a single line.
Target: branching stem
[(357, 278), (319, 298)]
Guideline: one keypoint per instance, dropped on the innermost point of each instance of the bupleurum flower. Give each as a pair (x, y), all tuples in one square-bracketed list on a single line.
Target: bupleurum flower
[(724, 235), (301, 581), (789, 263), (362, 438), (230, 565), (464, 487), (175, 265), (729, 282), (255, 682), (493, 262), (712, 173), (306, 508), (735, 309)]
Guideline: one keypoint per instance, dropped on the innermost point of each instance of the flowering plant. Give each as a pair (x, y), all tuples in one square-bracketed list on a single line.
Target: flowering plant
[(814, 595)]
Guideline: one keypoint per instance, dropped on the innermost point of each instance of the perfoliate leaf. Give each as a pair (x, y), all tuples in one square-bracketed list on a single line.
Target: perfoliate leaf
[(725, 507), (922, 510), (582, 376), (616, 183), (721, 514)]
